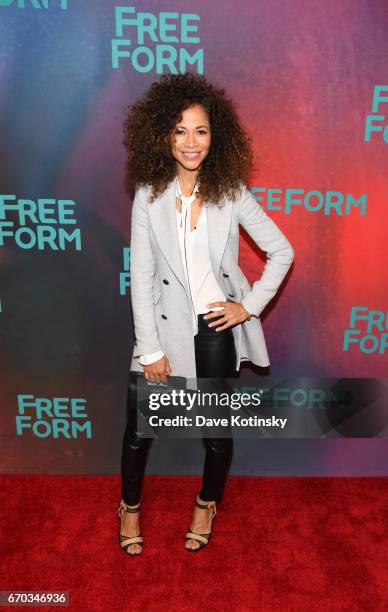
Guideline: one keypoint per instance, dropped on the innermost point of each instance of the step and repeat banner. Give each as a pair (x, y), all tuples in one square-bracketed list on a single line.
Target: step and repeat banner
[(310, 80)]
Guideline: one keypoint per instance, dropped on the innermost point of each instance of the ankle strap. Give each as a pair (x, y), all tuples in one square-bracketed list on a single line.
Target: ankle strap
[(204, 506), (127, 508)]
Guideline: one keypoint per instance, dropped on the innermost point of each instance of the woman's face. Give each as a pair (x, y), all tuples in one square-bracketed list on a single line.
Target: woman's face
[(190, 139)]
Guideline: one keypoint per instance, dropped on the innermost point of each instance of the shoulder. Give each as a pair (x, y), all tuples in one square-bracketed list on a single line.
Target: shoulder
[(240, 193), (140, 197), (242, 197), (141, 190), (139, 204)]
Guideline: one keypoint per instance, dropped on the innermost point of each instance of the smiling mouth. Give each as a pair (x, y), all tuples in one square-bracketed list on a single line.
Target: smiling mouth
[(190, 154)]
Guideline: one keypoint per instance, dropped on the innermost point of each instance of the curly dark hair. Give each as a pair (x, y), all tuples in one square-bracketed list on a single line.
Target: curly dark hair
[(149, 120)]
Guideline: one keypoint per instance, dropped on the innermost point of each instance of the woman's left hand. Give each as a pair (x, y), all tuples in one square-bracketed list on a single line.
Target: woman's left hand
[(233, 312)]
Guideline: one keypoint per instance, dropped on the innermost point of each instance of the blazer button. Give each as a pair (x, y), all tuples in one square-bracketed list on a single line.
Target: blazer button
[(163, 316), (225, 275), (166, 281)]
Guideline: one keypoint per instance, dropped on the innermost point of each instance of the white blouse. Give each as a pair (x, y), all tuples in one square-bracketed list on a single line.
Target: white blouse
[(194, 248)]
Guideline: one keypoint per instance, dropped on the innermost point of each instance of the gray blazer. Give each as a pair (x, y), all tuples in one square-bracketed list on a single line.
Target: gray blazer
[(159, 292)]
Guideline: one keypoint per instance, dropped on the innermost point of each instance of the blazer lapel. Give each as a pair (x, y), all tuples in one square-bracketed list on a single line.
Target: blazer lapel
[(162, 214), (218, 227)]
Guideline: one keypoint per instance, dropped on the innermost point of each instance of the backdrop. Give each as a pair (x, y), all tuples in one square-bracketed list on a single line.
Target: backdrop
[(311, 85)]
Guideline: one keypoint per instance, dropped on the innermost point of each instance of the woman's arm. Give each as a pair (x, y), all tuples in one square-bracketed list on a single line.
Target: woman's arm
[(270, 239), (142, 272)]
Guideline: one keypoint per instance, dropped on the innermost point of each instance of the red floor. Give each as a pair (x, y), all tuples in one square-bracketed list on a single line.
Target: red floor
[(278, 544)]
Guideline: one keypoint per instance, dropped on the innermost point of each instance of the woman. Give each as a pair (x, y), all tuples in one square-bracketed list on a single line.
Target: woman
[(195, 313)]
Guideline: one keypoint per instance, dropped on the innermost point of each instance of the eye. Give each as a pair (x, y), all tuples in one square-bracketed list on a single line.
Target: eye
[(181, 132)]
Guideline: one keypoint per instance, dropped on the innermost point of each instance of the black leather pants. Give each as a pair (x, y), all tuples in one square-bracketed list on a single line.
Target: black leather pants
[(215, 356)]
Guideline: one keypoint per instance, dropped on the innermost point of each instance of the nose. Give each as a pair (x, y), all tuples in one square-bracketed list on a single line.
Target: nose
[(190, 139)]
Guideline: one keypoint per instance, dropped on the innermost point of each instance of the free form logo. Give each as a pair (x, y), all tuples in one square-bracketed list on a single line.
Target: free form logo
[(35, 4)]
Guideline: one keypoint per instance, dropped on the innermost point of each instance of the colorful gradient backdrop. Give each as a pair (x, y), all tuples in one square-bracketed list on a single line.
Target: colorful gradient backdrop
[(302, 75)]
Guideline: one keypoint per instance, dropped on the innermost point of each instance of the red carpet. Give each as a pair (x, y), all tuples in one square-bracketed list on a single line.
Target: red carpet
[(279, 544)]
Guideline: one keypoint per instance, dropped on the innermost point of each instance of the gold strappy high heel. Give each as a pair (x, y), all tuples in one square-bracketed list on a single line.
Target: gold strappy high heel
[(126, 541), (202, 538)]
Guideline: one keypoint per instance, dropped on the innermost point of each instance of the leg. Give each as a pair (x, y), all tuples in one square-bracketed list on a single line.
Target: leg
[(133, 463), (134, 450), (218, 458), (215, 355)]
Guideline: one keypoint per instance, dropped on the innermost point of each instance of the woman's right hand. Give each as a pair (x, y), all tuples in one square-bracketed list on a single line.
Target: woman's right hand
[(156, 372)]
